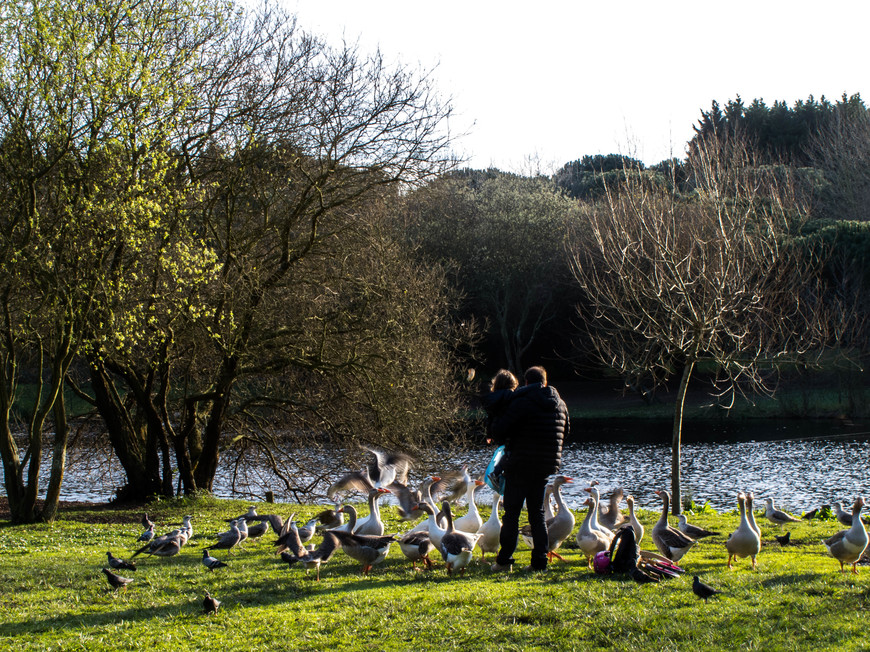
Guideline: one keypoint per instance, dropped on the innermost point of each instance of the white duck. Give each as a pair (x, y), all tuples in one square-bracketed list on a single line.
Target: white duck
[(672, 543), (372, 525), (490, 530), (591, 539), (457, 547), (471, 521), (560, 526), (846, 546), (636, 525), (744, 541)]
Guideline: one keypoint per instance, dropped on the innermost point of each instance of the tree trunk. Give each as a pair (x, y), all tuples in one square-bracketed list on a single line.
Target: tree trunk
[(206, 464), (676, 442), (58, 460)]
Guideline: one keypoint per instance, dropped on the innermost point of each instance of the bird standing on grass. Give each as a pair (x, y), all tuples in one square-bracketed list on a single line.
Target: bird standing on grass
[(776, 516), (693, 530), (702, 590), (210, 562), (120, 564), (209, 604), (116, 581), (783, 540)]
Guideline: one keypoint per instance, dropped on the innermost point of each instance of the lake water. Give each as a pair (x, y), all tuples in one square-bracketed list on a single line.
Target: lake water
[(801, 464)]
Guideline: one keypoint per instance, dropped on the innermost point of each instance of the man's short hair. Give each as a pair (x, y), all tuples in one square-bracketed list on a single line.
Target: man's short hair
[(535, 375)]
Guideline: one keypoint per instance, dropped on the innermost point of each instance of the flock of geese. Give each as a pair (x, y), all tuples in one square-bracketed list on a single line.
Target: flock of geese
[(455, 538)]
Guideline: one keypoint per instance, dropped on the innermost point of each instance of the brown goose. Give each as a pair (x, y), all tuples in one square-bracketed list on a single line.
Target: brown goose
[(672, 543), (368, 550), (610, 516), (457, 547), (846, 546), (744, 541), (417, 546)]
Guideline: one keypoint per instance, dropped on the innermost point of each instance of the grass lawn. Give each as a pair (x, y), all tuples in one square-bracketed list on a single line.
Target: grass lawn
[(54, 596)]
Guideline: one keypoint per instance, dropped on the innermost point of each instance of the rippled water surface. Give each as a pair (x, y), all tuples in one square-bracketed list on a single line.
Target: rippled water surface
[(805, 466)]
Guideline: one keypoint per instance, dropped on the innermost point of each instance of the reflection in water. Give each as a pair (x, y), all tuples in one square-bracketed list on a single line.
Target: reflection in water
[(799, 474)]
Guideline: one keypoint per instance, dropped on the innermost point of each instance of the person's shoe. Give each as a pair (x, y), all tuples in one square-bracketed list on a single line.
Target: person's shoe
[(500, 568), (532, 569)]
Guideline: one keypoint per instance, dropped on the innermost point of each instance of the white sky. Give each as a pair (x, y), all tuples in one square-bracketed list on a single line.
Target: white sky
[(552, 81)]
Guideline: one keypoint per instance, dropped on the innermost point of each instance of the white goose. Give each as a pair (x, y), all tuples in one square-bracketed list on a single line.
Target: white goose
[(846, 546), (744, 541), (372, 525), (636, 525), (560, 526), (596, 496), (672, 543), (436, 532), (591, 539), (490, 530), (750, 514), (471, 521)]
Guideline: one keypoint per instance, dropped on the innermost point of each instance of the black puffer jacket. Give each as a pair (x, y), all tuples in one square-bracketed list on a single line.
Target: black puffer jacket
[(532, 429)]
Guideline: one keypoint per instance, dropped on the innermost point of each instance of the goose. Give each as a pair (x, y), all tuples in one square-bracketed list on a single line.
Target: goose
[(744, 541), (456, 546), (548, 503), (490, 530), (636, 525), (846, 546), (559, 527), (750, 514), (672, 543), (596, 497), (693, 530), (417, 546), (471, 521), (309, 558), (372, 524), (436, 532), (611, 517), (408, 498), (776, 516), (367, 549), (426, 492), (387, 468), (590, 539), (349, 526)]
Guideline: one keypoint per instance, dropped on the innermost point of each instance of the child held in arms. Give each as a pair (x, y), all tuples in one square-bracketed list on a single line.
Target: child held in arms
[(495, 402)]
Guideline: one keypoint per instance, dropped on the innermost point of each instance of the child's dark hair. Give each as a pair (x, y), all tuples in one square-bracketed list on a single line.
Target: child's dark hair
[(503, 379)]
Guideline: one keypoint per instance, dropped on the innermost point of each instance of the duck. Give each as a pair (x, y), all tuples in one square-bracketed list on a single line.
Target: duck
[(610, 516), (417, 546), (672, 543), (367, 549), (591, 539), (490, 531), (456, 546), (744, 541), (847, 546), (372, 524), (775, 516), (693, 530), (471, 521), (636, 525), (560, 526)]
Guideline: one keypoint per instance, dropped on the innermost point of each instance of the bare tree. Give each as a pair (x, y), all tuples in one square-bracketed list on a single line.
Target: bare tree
[(677, 278)]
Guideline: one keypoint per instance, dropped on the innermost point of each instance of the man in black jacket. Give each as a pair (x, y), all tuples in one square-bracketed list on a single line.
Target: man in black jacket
[(532, 428)]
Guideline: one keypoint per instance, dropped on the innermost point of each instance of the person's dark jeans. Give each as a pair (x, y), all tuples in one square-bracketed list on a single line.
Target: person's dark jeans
[(519, 489)]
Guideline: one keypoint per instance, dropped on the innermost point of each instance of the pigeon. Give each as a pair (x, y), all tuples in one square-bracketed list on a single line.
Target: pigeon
[(166, 545), (116, 581), (211, 562), (209, 604), (702, 590), (120, 564), (228, 540), (783, 540), (693, 530), (810, 515), (258, 530), (147, 535), (147, 523), (776, 516), (310, 558)]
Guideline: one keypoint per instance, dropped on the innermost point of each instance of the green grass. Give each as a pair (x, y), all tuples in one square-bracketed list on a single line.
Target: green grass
[(54, 596)]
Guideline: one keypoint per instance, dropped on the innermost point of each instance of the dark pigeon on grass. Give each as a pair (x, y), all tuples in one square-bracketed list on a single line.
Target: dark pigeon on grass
[(120, 564), (147, 535), (702, 590), (785, 539), (209, 604), (210, 562), (116, 581)]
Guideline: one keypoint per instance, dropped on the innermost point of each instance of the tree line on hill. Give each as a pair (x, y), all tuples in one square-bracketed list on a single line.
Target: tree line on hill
[(217, 229)]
